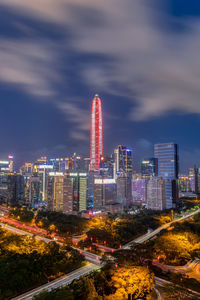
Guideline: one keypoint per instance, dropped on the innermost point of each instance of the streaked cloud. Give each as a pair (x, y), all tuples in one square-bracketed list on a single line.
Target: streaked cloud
[(78, 117), (28, 65), (154, 68)]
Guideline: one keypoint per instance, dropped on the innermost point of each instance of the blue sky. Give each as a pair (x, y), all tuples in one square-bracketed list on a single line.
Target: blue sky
[(141, 57)]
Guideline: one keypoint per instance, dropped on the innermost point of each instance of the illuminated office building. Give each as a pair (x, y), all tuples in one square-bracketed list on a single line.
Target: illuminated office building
[(184, 184), (67, 192), (149, 167), (194, 178), (123, 168), (39, 162), (106, 166), (15, 189), (11, 163), (32, 190), (43, 172), (79, 184), (96, 138), (167, 155), (6, 166), (122, 190), (83, 164), (123, 160), (105, 193), (27, 169), (59, 193), (59, 164)]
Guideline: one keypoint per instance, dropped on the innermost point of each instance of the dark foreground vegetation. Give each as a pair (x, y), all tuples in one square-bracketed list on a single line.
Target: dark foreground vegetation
[(26, 263), (64, 224), (110, 283)]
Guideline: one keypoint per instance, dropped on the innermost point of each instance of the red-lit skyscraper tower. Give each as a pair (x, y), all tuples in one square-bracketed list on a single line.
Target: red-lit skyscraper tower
[(96, 139)]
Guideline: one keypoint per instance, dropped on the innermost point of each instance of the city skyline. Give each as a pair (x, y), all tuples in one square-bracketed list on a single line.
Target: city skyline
[(54, 61), (99, 151)]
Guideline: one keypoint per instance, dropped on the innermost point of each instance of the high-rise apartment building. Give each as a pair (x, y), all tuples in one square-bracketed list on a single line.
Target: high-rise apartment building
[(167, 155), (139, 191), (96, 139)]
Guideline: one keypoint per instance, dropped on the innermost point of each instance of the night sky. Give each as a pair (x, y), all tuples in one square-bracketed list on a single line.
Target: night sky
[(141, 57)]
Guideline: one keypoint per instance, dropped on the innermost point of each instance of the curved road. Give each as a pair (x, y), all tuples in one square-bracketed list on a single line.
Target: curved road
[(150, 235), (61, 281)]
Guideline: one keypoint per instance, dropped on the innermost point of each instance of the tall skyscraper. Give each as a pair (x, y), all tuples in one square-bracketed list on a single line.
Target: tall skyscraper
[(67, 192), (43, 172), (194, 180), (123, 160), (184, 184), (32, 190), (167, 155), (149, 167), (59, 193), (105, 192), (123, 167), (96, 141), (79, 185), (106, 166)]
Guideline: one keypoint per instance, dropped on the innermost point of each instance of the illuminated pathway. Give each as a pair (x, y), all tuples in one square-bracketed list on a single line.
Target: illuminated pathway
[(162, 282), (61, 281), (91, 257), (150, 235)]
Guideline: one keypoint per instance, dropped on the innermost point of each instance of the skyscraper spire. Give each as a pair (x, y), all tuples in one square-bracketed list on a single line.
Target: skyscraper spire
[(96, 138)]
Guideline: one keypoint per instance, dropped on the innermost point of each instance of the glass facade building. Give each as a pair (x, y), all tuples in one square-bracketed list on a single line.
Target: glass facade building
[(149, 167), (123, 160), (167, 155)]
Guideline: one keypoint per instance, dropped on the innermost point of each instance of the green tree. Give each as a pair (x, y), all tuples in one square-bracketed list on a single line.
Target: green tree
[(84, 289), (132, 282)]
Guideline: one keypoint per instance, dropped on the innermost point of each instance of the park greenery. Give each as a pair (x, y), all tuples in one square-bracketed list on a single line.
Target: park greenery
[(176, 248), (115, 231), (22, 214), (173, 246), (111, 231), (26, 263), (110, 283), (179, 244), (64, 224)]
